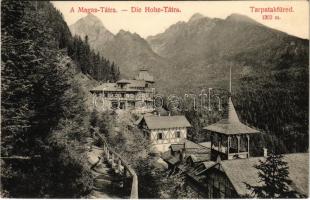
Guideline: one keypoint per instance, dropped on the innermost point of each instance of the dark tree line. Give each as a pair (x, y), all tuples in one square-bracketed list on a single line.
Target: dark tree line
[(276, 104), (78, 49), (91, 62), (42, 111)]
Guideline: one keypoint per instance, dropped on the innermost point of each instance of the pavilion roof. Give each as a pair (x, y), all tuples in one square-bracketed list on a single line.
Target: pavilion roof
[(230, 124)]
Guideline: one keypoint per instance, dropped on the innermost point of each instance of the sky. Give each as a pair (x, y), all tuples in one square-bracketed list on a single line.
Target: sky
[(146, 24)]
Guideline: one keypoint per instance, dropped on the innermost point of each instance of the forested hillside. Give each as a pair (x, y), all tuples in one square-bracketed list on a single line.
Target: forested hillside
[(270, 75), (78, 49), (43, 115)]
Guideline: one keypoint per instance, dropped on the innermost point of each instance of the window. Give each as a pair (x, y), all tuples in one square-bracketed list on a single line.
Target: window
[(122, 105), (114, 105), (178, 134), (159, 136)]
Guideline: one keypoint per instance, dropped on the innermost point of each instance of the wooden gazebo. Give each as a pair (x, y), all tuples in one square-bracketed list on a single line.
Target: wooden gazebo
[(230, 139)]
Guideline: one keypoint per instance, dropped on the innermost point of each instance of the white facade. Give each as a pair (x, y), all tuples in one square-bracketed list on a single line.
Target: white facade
[(161, 139), (109, 102)]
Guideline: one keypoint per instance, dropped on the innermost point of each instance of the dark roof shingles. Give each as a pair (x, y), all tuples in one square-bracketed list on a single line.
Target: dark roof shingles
[(162, 122), (241, 171), (230, 124)]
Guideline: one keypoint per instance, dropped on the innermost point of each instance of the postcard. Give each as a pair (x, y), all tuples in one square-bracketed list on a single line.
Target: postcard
[(154, 99)]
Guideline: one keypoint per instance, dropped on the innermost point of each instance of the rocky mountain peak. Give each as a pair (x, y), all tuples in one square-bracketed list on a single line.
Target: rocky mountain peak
[(195, 17), (89, 20), (92, 26), (123, 32), (128, 35), (240, 18), (92, 17)]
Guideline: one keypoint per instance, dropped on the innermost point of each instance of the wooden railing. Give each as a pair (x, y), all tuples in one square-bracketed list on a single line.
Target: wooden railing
[(120, 166)]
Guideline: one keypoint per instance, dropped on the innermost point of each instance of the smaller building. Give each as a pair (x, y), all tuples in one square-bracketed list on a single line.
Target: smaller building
[(186, 154), (228, 178), (163, 131)]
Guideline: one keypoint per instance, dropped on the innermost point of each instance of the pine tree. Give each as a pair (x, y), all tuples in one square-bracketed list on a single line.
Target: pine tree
[(18, 60), (39, 97), (273, 174)]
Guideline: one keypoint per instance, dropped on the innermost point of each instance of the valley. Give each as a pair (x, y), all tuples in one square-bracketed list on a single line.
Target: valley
[(194, 55)]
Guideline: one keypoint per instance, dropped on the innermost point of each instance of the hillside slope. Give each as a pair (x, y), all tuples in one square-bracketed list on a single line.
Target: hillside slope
[(269, 71), (205, 48)]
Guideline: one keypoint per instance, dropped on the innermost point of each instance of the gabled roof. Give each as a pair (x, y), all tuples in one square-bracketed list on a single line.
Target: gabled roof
[(230, 124), (199, 157), (163, 122), (173, 160), (206, 144), (176, 147), (190, 147), (136, 83), (241, 171), (198, 172), (209, 164), (124, 81), (132, 83)]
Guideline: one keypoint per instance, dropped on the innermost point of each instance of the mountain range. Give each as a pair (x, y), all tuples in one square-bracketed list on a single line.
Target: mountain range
[(196, 54), (128, 50)]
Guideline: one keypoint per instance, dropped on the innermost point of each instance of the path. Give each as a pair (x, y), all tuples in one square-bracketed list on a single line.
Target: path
[(107, 184)]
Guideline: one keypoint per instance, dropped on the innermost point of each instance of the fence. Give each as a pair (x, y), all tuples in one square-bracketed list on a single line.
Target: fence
[(120, 166)]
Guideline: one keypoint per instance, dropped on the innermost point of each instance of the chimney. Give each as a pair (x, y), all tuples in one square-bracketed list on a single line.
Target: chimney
[(265, 152)]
